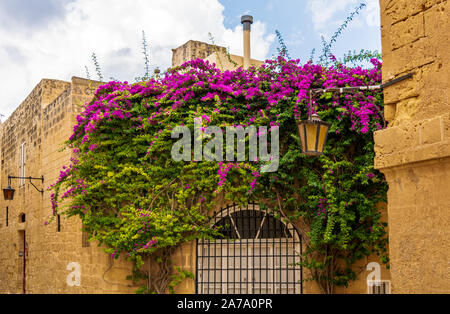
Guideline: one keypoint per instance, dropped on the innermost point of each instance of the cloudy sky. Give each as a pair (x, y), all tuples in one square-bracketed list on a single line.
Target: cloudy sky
[(56, 38)]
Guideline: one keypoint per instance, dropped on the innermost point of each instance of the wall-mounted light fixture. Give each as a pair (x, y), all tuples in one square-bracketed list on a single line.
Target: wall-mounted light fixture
[(313, 135), (314, 132), (8, 193)]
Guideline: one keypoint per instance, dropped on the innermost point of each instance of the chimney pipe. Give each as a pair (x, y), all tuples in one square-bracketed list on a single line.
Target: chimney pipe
[(247, 21)]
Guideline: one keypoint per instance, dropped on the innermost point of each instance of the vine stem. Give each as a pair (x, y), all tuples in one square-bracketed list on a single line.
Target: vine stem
[(304, 227), (153, 199)]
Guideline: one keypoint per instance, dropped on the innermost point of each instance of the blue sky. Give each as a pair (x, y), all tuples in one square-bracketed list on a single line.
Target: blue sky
[(56, 38), (301, 31)]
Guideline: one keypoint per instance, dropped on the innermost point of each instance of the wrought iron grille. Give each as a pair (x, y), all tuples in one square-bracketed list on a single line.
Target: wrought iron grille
[(259, 255), (379, 287)]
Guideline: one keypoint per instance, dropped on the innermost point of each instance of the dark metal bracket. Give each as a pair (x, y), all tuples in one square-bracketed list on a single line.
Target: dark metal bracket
[(28, 178), (341, 90), (397, 80), (371, 87)]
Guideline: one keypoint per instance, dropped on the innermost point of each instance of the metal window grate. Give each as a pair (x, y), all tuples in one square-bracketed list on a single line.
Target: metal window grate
[(379, 287), (85, 239), (259, 255)]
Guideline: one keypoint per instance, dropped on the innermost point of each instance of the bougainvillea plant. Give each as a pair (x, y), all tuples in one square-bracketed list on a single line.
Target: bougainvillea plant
[(136, 200)]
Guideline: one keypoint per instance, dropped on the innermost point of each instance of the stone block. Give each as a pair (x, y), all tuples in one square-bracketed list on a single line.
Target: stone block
[(400, 10), (431, 131), (446, 127), (407, 110), (389, 112), (408, 88), (392, 139), (418, 218), (408, 31), (408, 57), (435, 18)]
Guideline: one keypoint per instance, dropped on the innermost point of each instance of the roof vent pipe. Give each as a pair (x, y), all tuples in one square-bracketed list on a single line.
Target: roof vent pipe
[(247, 21)]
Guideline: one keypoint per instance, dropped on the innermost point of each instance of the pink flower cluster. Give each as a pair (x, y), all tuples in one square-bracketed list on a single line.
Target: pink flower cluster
[(256, 175), (223, 171), (257, 90), (80, 188), (323, 202), (278, 80)]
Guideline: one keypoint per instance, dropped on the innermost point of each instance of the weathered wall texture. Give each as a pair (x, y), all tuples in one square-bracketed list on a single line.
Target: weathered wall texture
[(193, 50), (43, 122), (414, 151), (214, 54), (230, 62)]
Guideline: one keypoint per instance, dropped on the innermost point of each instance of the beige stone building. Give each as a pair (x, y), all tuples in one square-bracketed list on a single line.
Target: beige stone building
[(36, 257), (214, 54), (414, 153)]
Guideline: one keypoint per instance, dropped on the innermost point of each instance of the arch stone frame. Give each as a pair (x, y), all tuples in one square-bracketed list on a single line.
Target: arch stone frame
[(259, 254)]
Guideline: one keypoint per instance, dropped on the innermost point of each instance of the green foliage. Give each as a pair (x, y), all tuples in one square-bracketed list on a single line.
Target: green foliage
[(326, 49), (88, 76), (146, 59), (178, 277), (136, 200), (282, 49), (313, 53), (97, 67), (335, 195), (355, 58)]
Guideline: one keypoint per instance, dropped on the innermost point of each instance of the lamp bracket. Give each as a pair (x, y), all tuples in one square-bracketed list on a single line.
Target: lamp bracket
[(341, 90), (28, 178)]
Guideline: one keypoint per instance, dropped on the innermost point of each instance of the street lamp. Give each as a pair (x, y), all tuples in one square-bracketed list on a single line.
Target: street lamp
[(8, 193), (313, 135), (314, 132)]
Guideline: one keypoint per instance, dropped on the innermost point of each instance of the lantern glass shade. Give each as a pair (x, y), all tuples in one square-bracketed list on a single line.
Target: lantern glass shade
[(8, 193), (313, 136)]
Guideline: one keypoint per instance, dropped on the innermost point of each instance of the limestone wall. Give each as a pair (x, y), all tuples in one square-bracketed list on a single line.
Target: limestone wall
[(24, 126), (214, 54), (230, 62), (414, 151), (44, 121), (193, 50)]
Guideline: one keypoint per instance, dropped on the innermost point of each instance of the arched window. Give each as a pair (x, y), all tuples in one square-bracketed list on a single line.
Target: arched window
[(258, 254), (251, 224)]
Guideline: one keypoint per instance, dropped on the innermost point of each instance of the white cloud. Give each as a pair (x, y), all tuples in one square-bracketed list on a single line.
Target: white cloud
[(296, 37), (260, 40), (372, 14), (113, 30), (326, 15)]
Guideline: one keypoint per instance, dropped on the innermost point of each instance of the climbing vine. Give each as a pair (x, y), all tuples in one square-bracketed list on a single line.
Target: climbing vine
[(137, 201)]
